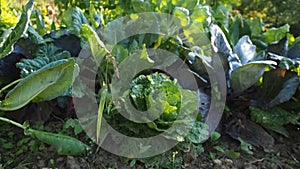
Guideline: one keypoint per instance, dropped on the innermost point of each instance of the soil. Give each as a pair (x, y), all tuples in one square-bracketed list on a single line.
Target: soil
[(286, 155)]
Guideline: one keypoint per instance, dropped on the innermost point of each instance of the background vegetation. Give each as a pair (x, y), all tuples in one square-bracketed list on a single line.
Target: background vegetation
[(257, 41)]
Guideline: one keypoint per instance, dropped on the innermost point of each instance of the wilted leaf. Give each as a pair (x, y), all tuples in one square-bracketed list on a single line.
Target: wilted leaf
[(103, 97)]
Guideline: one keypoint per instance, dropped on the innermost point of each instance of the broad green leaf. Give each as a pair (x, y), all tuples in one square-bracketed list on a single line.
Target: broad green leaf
[(234, 31), (65, 145), (259, 44), (7, 45), (256, 26), (284, 62), (97, 47), (247, 75), (275, 34), (233, 154), (47, 83), (291, 39), (289, 64), (275, 93)]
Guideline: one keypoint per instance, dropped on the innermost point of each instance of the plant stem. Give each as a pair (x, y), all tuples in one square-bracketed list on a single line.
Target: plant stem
[(9, 85), (12, 122)]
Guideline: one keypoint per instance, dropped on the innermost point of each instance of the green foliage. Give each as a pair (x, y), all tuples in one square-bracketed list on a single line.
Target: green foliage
[(214, 143), (74, 19), (274, 118), (286, 85), (245, 147), (96, 45), (199, 133), (37, 19), (252, 72), (65, 145), (47, 83), (142, 86), (9, 17), (29, 66), (246, 48), (73, 123), (275, 34), (102, 103), (274, 13), (6, 45)]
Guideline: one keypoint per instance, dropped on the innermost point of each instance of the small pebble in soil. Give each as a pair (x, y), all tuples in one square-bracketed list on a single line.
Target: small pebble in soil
[(228, 161), (217, 162)]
